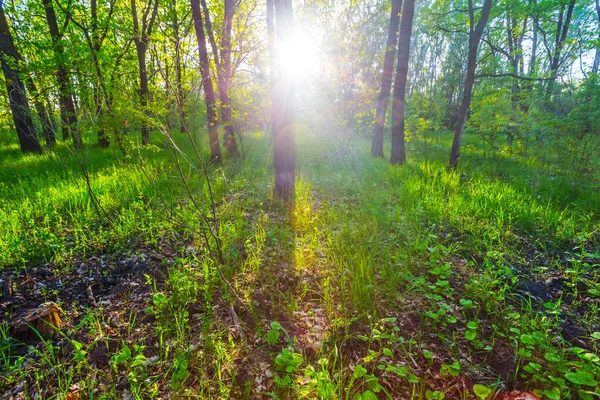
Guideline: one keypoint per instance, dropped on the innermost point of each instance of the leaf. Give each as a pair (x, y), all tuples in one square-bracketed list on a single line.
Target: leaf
[(581, 378), (552, 357), (273, 336), (470, 335), (472, 325), (527, 339), (159, 299), (466, 303), (359, 371), (552, 394), (595, 335), (388, 352), (481, 391), (276, 325)]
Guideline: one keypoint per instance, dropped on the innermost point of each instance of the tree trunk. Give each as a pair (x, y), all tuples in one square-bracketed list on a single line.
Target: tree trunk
[(40, 109), (209, 94), (141, 49), (225, 80), (386, 80), (179, 90), (597, 58), (141, 37), (65, 92), (16, 90), (562, 29), (398, 155), (474, 38), (284, 157)]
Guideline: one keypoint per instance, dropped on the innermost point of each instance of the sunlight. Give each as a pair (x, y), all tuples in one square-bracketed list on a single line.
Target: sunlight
[(300, 58)]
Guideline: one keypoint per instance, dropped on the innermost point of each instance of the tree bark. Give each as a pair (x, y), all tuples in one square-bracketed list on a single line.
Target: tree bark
[(209, 94), (386, 80), (284, 157), (178, 81), (65, 92), (223, 68), (225, 80), (597, 57), (141, 37), (16, 90), (562, 30), (398, 154), (474, 39), (40, 109)]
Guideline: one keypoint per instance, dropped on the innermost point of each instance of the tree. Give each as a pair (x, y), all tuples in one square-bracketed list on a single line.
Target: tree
[(16, 90), (68, 113), (209, 93), (223, 68), (141, 37), (475, 33), (398, 155), (386, 80), (284, 157)]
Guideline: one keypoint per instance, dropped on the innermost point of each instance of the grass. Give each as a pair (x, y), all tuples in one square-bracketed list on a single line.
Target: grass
[(381, 282)]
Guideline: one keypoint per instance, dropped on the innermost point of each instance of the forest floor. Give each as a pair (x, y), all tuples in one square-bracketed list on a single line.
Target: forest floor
[(380, 282)]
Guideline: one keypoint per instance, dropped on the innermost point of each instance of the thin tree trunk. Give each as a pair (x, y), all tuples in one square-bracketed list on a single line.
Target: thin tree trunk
[(284, 157), (474, 39), (398, 154), (40, 109), (386, 80), (562, 29), (225, 80), (65, 92), (141, 37), (209, 94), (16, 90), (597, 58), (178, 80)]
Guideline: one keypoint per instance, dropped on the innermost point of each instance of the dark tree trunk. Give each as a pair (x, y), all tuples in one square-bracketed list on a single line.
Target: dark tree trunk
[(65, 92), (225, 80), (284, 157), (209, 94), (474, 39), (562, 30), (398, 155), (16, 90), (386, 80), (141, 49), (178, 80), (597, 58), (141, 37)]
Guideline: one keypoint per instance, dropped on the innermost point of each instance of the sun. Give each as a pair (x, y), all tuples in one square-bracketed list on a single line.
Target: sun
[(300, 57)]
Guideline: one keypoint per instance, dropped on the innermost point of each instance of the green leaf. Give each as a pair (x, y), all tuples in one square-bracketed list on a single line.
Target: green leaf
[(276, 325), (552, 357), (470, 335), (388, 352), (359, 371), (427, 354), (527, 339), (472, 325), (595, 335), (581, 378), (552, 394), (466, 303), (481, 391), (273, 336), (159, 299)]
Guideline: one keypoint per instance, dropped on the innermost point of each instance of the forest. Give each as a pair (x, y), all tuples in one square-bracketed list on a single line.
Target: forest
[(310, 199)]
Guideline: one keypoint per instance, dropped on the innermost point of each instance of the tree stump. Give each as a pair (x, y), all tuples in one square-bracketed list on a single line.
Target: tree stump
[(45, 318)]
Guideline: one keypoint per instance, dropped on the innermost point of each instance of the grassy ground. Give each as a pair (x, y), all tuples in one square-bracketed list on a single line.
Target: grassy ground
[(381, 282)]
